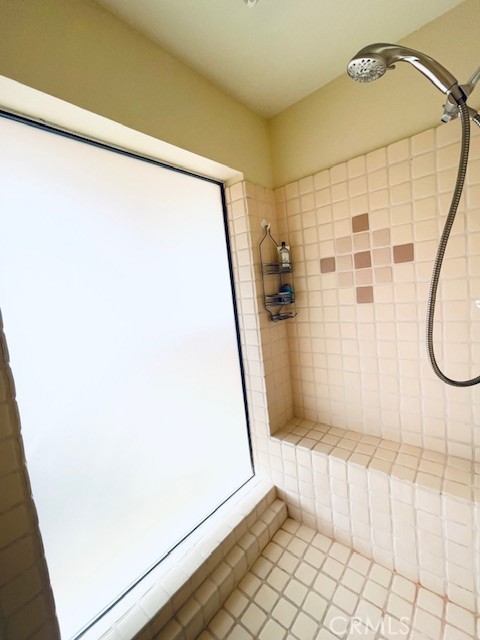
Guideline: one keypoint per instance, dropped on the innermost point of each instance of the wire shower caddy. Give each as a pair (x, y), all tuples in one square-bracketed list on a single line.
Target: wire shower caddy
[(275, 272)]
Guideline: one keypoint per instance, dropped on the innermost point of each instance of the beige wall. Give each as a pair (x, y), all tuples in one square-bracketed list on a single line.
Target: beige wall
[(79, 52), (345, 118)]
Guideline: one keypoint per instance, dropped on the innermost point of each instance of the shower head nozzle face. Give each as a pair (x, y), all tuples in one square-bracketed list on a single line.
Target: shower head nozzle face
[(366, 69)]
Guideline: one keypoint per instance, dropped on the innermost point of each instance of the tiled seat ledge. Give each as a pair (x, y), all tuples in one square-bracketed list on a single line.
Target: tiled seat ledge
[(410, 509), (200, 579)]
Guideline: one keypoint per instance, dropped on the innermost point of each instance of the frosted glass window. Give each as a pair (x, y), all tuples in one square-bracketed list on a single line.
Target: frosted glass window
[(117, 303)]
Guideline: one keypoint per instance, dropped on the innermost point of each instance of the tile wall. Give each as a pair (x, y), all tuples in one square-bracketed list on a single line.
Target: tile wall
[(26, 602), (265, 343), (364, 235)]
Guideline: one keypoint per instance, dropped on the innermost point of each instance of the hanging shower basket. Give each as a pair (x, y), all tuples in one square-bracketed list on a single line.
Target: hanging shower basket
[(278, 303)]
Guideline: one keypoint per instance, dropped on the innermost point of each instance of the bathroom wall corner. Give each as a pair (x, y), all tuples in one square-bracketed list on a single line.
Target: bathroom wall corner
[(264, 343)]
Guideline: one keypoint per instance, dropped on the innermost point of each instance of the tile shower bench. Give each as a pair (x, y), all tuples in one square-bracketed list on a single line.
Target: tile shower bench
[(410, 509)]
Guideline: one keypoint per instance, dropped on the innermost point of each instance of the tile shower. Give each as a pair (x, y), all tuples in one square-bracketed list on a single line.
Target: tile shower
[(368, 446), (362, 442)]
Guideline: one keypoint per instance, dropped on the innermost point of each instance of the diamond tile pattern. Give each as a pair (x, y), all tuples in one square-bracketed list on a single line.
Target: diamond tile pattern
[(361, 241)]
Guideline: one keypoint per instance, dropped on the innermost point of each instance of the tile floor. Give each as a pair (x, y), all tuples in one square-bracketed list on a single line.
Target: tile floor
[(305, 586)]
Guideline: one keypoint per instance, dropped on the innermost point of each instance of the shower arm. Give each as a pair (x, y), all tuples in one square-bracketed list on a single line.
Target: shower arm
[(451, 110)]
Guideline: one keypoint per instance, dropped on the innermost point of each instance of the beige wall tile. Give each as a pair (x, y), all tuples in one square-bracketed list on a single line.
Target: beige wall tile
[(404, 227)]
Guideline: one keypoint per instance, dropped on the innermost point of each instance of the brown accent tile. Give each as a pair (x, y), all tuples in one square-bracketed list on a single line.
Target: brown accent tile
[(362, 259), (383, 275), (364, 294), (360, 223), (403, 252), (345, 279), (343, 245), (382, 256), (361, 241), (344, 263), (381, 238), (363, 276), (327, 265)]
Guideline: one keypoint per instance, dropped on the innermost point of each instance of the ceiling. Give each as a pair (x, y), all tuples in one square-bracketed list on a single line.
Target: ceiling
[(276, 53)]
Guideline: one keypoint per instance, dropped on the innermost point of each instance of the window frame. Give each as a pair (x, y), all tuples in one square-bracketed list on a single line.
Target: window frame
[(43, 126)]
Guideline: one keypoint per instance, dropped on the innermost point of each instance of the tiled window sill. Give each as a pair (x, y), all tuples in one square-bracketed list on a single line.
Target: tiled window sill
[(186, 590)]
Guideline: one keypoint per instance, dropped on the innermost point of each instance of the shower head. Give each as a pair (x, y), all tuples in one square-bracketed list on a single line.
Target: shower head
[(371, 63), (366, 68)]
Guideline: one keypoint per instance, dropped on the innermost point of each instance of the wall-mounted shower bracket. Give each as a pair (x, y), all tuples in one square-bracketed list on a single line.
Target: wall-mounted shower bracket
[(451, 110)]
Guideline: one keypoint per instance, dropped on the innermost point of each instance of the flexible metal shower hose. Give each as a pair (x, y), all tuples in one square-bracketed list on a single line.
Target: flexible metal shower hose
[(462, 170)]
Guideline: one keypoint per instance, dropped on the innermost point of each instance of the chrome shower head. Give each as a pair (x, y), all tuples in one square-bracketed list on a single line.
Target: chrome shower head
[(366, 69), (371, 63)]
